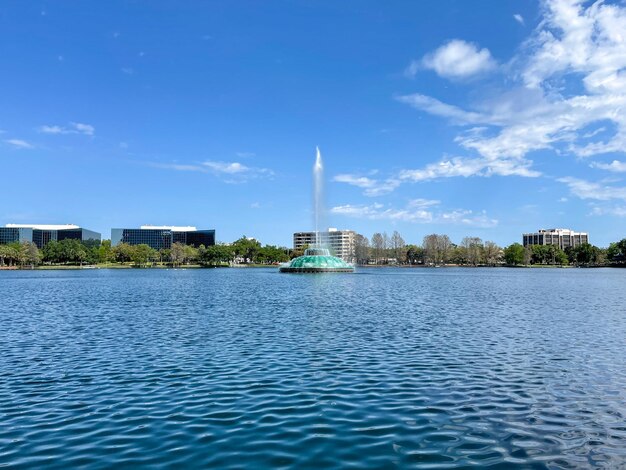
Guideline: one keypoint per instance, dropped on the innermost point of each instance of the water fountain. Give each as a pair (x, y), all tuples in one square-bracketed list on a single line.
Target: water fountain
[(317, 259)]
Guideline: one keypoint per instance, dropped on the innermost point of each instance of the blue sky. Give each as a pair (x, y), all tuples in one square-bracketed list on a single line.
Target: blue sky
[(480, 119)]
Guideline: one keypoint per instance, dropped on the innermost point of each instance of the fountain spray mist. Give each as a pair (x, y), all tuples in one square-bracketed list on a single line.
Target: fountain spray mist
[(318, 194)]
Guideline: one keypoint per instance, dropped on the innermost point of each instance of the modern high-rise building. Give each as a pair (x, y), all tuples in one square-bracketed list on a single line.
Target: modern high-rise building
[(340, 242), (40, 235), (162, 236), (561, 237)]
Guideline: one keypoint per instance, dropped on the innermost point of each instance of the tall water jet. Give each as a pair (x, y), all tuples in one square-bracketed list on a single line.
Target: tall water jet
[(318, 194), (317, 259)]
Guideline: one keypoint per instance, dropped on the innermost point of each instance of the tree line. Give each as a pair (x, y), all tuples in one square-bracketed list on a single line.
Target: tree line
[(435, 250), (75, 252), (438, 249)]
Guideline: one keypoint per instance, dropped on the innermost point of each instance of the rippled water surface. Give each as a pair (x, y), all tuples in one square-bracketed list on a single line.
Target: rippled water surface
[(428, 368)]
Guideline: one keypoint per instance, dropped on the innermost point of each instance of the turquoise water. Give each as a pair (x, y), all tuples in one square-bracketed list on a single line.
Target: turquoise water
[(428, 368)]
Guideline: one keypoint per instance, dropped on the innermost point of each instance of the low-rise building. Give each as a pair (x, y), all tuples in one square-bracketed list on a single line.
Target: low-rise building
[(40, 234), (561, 237), (340, 242), (162, 236)]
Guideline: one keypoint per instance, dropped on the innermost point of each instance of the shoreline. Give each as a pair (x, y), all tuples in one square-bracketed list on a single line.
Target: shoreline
[(255, 266)]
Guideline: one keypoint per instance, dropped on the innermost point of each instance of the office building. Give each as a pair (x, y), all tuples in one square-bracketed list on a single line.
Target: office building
[(40, 235), (162, 236), (561, 237), (340, 242)]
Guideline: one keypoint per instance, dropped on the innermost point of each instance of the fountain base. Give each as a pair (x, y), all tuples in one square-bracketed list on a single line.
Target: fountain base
[(317, 260)]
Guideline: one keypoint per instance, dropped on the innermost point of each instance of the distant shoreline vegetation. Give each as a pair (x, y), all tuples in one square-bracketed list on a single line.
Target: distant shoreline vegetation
[(381, 250), (438, 250), (74, 253)]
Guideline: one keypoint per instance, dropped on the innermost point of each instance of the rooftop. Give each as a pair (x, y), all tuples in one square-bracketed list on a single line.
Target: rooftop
[(43, 226), (173, 228)]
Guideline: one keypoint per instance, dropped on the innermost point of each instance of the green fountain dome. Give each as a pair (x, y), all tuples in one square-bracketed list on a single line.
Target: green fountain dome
[(317, 260)]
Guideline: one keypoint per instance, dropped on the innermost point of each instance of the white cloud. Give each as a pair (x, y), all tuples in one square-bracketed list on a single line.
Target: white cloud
[(466, 167), (234, 172), (377, 212), (51, 130), (468, 217), (437, 108), (456, 59), (85, 129), (416, 211), (591, 190), (372, 187), (179, 167), (423, 202), (519, 18), (617, 211), (570, 75), (574, 38), (445, 168), (615, 166), (20, 144), (225, 167), (73, 128)]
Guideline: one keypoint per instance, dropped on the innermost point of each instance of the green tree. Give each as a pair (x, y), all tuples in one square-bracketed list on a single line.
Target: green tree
[(105, 252), (165, 255), (298, 252), (51, 252), (177, 253), (272, 254), (246, 249), (17, 253), (459, 255), (378, 247), (122, 253), (4, 255), (190, 254), (514, 254), (437, 248), (414, 254), (361, 249), (398, 247), (585, 254), (492, 253), (10, 254), (215, 255), (72, 251), (32, 254), (140, 254), (616, 253), (474, 250), (560, 257)]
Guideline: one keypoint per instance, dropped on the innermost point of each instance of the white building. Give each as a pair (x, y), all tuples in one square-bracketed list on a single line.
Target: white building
[(561, 237), (340, 242)]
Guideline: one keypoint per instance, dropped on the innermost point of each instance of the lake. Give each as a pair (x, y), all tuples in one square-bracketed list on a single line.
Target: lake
[(249, 368)]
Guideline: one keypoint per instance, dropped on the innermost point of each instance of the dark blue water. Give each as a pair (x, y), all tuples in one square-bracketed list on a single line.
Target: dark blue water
[(428, 368)]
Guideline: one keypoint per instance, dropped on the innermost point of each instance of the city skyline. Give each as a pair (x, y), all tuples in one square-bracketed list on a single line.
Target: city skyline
[(486, 120)]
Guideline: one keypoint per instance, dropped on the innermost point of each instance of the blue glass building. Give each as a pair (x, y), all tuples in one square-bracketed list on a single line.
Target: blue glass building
[(40, 235), (160, 237)]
